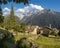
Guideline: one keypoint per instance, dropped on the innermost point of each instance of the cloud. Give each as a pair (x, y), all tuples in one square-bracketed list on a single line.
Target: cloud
[(29, 8), (25, 10), (36, 7), (6, 9), (20, 10)]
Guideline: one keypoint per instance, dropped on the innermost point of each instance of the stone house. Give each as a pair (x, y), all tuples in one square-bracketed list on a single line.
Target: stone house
[(31, 29), (47, 31), (44, 31), (55, 30)]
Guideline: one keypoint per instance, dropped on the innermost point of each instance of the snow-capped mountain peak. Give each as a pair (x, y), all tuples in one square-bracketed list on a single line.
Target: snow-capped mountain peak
[(29, 9)]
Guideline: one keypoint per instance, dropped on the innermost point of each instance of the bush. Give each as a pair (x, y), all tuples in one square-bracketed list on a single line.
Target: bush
[(17, 28), (20, 28), (5, 36), (23, 43)]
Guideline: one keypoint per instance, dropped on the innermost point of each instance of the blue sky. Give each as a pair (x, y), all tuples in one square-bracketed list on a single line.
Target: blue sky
[(49, 4)]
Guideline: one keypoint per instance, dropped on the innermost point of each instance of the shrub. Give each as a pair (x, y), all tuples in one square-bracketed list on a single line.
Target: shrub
[(5, 36), (23, 43), (20, 28)]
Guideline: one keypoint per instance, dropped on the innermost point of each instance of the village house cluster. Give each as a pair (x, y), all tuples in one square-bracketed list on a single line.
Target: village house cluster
[(47, 31)]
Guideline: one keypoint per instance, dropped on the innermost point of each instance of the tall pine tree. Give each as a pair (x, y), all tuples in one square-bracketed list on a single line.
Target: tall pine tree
[(11, 22), (12, 17)]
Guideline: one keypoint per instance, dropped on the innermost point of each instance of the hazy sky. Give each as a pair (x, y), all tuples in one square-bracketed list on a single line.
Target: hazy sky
[(49, 4)]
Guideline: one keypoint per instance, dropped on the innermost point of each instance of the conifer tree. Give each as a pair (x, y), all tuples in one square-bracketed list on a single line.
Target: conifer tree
[(11, 22), (12, 17)]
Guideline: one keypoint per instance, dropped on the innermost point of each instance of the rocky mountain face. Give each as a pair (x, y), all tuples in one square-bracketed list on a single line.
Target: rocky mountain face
[(43, 18)]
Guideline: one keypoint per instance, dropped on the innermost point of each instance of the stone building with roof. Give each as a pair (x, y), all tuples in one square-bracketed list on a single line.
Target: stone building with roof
[(41, 30)]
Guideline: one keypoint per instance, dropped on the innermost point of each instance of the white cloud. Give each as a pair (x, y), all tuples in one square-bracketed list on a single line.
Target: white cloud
[(20, 10), (29, 8), (36, 7), (26, 9), (6, 9)]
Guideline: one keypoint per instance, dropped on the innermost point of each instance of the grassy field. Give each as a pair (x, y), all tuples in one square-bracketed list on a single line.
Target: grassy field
[(46, 42), (42, 41)]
